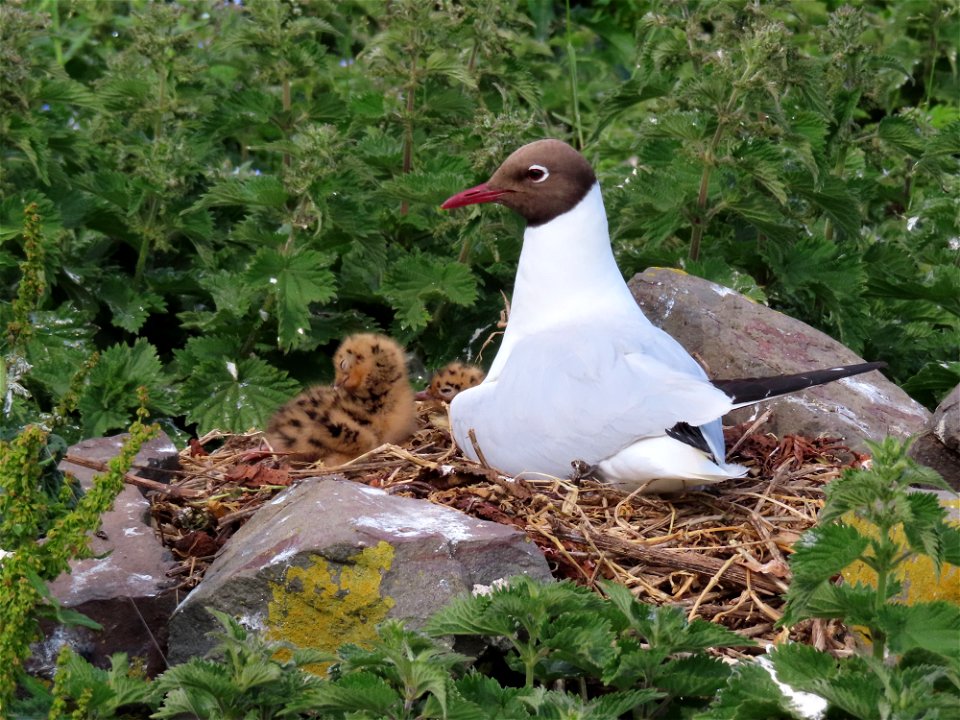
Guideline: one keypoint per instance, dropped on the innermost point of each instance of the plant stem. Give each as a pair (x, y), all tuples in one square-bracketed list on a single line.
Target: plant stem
[(708, 157), (411, 90), (286, 104), (574, 89)]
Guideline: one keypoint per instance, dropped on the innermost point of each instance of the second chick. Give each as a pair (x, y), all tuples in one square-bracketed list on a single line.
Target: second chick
[(370, 403), (450, 380)]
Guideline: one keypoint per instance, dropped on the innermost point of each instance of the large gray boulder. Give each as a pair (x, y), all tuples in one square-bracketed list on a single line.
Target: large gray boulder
[(124, 587), (736, 337), (326, 561)]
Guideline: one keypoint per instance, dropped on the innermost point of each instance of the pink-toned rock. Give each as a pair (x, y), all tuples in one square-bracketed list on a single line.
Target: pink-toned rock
[(736, 337), (326, 561), (124, 587)]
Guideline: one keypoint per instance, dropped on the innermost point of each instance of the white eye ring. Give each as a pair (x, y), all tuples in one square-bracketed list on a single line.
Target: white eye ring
[(540, 168)]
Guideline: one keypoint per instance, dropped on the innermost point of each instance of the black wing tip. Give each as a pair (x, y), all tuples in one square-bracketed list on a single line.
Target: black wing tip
[(749, 390)]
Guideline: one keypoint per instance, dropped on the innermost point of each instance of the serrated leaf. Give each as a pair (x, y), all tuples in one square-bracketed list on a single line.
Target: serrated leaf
[(692, 676), (923, 528), (802, 666), (931, 626), (60, 342), (258, 191), (486, 692), (298, 279), (235, 396), (902, 134), (416, 279), (856, 604), (750, 694), (439, 62), (110, 396), (358, 691), (130, 307), (834, 199), (824, 550)]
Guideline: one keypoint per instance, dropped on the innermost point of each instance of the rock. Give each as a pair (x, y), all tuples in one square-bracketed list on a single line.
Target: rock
[(939, 446), (326, 561), (946, 421), (124, 587), (736, 337)]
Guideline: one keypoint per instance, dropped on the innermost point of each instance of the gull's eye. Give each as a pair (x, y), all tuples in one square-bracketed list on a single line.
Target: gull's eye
[(537, 173)]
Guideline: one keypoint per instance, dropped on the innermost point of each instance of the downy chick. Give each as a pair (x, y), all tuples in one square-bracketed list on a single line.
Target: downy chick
[(450, 380), (370, 403)]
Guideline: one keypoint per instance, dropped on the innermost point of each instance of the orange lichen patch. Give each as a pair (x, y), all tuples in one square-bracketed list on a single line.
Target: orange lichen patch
[(325, 604)]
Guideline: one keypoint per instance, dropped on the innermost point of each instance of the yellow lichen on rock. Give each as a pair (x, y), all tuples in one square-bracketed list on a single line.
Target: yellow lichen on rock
[(327, 604), (918, 574)]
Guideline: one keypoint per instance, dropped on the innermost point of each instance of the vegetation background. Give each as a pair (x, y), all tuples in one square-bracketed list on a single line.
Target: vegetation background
[(224, 189)]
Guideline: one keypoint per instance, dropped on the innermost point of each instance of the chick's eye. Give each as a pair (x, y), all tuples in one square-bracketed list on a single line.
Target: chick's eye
[(537, 173)]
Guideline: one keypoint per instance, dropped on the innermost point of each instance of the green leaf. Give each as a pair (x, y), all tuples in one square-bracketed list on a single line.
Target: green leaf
[(750, 694), (235, 396), (416, 279), (259, 191), (821, 553), (931, 626), (902, 134), (834, 199), (938, 378), (110, 396), (499, 702), (130, 306), (356, 692), (298, 279), (692, 676), (825, 550), (58, 346), (923, 528)]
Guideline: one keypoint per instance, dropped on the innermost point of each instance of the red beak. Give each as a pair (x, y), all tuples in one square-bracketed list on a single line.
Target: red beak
[(482, 193)]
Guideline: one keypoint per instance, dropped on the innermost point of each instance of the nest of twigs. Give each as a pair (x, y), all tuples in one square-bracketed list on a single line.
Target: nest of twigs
[(718, 553)]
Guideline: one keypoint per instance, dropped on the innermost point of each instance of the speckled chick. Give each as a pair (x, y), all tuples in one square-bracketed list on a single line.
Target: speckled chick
[(451, 379), (370, 403)]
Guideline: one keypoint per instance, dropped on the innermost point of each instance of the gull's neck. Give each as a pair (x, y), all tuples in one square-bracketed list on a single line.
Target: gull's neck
[(567, 274)]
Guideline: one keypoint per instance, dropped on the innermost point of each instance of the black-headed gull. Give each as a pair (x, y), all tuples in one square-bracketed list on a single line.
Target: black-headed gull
[(582, 374)]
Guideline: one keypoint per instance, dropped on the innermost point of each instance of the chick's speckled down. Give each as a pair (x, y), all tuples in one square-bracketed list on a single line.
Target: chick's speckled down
[(450, 380), (370, 403)]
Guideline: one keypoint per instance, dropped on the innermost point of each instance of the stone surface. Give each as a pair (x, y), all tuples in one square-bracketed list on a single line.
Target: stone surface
[(736, 337), (124, 587), (946, 421), (939, 446), (326, 561)]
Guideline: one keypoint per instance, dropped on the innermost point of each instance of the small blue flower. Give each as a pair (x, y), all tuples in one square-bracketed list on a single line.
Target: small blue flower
[(45, 107)]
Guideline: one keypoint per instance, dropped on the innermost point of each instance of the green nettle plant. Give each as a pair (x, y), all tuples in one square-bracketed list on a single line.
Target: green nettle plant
[(228, 189), (912, 669)]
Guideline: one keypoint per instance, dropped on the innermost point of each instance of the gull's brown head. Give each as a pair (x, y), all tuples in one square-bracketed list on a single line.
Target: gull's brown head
[(540, 181)]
